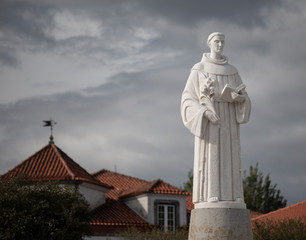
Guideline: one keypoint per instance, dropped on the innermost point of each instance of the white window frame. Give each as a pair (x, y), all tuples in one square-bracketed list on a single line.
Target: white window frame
[(175, 205), (165, 218)]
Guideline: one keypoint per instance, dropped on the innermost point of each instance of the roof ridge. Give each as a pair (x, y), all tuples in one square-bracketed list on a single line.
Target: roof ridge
[(24, 161), (177, 189), (169, 184), (51, 163), (55, 148), (149, 185), (154, 183), (279, 210), (98, 172), (121, 174)]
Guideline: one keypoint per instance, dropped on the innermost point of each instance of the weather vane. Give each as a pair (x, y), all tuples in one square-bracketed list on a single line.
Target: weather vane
[(50, 123)]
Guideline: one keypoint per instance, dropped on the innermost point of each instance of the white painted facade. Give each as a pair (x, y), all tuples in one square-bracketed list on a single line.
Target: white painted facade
[(144, 205), (94, 194)]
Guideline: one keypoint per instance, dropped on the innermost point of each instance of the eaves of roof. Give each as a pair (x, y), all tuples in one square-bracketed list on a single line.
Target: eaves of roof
[(156, 186), (114, 214), (294, 211), (51, 164)]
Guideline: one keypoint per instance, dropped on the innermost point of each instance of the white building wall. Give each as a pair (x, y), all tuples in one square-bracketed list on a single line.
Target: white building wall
[(181, 199), (94, 194), (139, 204), (143, 205)]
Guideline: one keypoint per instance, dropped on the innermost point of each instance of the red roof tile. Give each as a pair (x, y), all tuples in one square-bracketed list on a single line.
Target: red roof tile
[(51, 163), (189, 203), (294, 211), (137, 189), (119, 182), (127, 186), (165, 188), (114, 212), (114, 215), (156, 186)]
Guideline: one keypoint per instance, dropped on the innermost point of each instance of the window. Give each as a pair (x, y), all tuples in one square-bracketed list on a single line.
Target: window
[(166, 214)]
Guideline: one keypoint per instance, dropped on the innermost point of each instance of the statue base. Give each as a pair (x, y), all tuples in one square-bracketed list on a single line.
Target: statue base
[(220, 224), (220, 204)]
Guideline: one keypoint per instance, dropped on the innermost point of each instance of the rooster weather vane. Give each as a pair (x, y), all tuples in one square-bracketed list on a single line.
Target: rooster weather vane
[(50, 123)]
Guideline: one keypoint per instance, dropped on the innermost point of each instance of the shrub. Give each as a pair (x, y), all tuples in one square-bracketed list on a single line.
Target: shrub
[(289, 229), (155, 234), (42, 211)]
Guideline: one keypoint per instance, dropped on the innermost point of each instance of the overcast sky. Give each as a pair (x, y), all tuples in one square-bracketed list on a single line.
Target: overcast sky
[(111, 73)]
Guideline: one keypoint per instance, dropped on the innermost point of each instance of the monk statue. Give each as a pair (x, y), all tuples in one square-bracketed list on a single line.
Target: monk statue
[(214, 104)]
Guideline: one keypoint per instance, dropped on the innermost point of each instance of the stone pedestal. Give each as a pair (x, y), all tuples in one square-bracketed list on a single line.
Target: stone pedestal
[(220, 224)]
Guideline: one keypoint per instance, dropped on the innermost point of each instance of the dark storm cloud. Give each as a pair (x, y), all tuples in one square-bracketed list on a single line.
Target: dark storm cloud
[(125, 112), (25, 20), (28, 22), (28, 26), (244, 13), (141, 53), (21, 26), (8, 57)]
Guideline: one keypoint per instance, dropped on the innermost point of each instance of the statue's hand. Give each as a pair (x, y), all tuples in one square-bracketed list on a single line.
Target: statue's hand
[(240, 98), (212, 117)]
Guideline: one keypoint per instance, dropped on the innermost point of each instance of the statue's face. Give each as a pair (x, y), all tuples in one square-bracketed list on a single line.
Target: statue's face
[(216, 44)]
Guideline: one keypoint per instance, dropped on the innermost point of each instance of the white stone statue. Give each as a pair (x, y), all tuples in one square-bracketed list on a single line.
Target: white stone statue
[(214, 104)]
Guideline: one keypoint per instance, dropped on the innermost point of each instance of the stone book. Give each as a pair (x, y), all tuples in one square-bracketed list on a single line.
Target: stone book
[(226, 93)]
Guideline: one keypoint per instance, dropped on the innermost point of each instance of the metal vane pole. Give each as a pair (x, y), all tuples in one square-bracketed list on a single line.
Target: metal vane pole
[(50, 123)]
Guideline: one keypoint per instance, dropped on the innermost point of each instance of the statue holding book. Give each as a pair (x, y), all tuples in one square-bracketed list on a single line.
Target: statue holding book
[(214, 104)]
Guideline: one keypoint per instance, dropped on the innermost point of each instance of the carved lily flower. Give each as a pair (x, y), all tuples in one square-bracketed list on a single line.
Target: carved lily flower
[(208, 89)]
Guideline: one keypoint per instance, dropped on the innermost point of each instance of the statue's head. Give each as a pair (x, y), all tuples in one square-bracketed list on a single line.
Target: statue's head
[(215, 42)]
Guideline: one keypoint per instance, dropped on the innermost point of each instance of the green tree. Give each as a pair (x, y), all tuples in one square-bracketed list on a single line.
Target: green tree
[(42, 211), (189, 184), (259, 194)]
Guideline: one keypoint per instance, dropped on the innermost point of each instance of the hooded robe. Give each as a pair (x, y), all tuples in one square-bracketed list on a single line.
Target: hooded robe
[(217, 160)]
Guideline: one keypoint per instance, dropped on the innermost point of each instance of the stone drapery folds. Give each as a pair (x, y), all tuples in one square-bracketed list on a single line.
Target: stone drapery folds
[(217, 160)]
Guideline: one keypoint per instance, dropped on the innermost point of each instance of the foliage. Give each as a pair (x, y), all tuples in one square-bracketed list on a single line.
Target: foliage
[(293, 229), (42, 211), (259, 194), (189, 184), (155, 234)]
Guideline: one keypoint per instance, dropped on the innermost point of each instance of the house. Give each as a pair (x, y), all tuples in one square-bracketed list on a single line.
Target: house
[(52, 164), (117, 201)]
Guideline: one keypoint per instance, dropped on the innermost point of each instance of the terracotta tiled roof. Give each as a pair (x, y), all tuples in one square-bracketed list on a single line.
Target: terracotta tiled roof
[(119, 182), (165, 188), (127, 186), (255, 214), (189, 203), (114, 215), (294, 211), (51, 163), (156, 186)]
